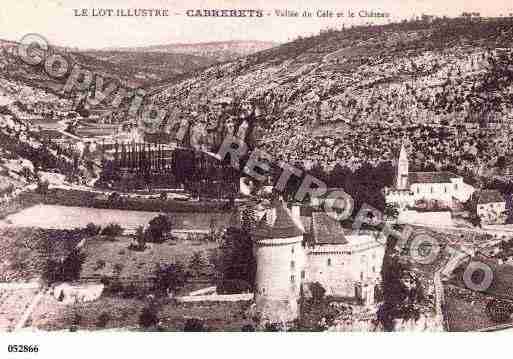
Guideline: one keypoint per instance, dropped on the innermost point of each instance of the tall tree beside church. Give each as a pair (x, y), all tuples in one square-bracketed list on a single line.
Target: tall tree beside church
[(248, 219)]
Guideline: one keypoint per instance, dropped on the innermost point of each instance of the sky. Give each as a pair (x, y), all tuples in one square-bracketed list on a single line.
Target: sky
[(55, 19)]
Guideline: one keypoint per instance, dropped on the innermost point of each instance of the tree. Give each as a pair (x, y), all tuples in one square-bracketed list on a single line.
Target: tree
[(391, 211), (194, 325), (112, 230), (140, 238), (159, 226), (148, 317), (235, 260), (169, 277), (103, 320), (317, 291), (43, 187)]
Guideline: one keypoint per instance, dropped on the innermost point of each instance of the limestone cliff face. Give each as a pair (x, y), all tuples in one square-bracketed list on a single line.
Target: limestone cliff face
[(369, 323)]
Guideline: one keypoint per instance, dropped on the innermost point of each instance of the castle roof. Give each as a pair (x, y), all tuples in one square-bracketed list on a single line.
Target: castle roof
[(283, 226), (431, 177), (326, 230), (489, 196)]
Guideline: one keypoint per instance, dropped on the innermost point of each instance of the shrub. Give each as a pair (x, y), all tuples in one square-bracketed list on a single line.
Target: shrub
[(169, 277), (248, 328), (194, 325), (103, 319), (42, 187), (317, 291), (112, 230), (234, 286), (159, 226), (148, 317), (92, 229), (118, 268)]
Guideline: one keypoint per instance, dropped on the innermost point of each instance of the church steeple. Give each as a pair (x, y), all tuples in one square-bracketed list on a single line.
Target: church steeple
[(402, 169)]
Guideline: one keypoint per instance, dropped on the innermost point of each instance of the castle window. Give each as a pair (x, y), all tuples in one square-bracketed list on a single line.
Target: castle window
[(432, 190), (445, 189), (292, 265), (373, 269), (418, 189), (456, 186), (303, 275), (292, 279), (361, 276), (292, 250), (329, 262)]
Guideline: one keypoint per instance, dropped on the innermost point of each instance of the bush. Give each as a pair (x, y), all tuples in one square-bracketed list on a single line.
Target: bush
[(103, 319), (112, 230), (42, 187), (159, 226), (234, 286), (194, 325), (92, 229), (317, 291), (169, 277), (148, 317)]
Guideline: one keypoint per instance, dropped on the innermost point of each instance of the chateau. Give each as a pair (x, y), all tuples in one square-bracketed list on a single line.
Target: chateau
[(292, 251), (440, 189)]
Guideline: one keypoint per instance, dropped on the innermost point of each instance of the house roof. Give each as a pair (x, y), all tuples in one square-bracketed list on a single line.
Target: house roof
[(326, 230), (283, 226), (431, 177), (489, 196)]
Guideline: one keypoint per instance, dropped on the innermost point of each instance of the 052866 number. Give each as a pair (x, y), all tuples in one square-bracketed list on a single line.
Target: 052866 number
[(23, 348)]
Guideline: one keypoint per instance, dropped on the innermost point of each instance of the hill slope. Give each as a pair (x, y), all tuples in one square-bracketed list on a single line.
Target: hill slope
[(322, 97)]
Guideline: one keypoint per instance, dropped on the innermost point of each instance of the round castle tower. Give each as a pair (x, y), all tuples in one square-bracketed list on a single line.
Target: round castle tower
[(280, 257)]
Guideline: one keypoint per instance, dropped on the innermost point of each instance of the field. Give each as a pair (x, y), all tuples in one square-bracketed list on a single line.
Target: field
[(24, 252), (123, 314), (13, 303), (104, 255), (465, 310), (65, 217), (84, 198)]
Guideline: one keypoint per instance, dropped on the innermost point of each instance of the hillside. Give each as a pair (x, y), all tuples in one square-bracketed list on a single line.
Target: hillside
[(149, 67), (220, 51), (351, 96)]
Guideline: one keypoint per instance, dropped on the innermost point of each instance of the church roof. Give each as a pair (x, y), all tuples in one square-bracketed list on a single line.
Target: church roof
[(489, 196), (431, 177), (326, 230), (284, 225)]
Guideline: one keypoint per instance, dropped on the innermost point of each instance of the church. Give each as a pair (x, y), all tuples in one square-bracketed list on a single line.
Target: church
[(292, 251), (442, 189)]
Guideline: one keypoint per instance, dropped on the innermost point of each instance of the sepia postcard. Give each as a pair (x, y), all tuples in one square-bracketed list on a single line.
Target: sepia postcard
[(253, 166)]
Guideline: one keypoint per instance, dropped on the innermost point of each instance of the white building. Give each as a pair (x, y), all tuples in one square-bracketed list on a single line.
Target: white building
[(289, 256), (426, 189), (491, 206)]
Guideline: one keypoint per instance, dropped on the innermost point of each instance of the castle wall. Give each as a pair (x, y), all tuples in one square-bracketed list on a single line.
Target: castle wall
[(339, 268)]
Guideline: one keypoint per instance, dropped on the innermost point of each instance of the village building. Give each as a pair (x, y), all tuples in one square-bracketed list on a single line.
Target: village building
[(436, 190), (490, 206)]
